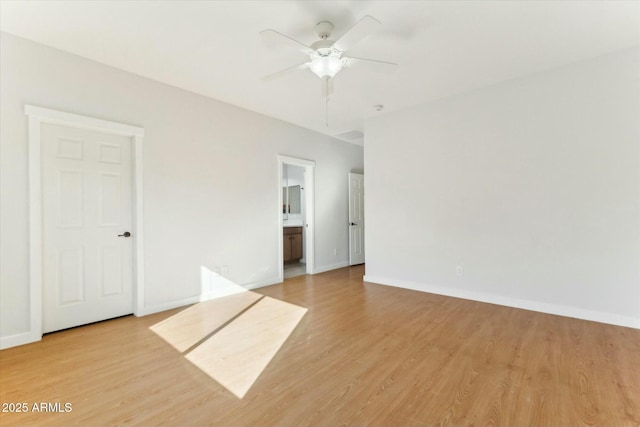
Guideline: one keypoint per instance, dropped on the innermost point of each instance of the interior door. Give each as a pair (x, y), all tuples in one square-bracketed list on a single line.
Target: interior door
[(356, 218), (87, 219)]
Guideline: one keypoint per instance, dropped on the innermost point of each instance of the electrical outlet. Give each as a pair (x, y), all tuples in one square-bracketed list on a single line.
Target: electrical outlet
[(459, 270), (335, 251), (225, 270)]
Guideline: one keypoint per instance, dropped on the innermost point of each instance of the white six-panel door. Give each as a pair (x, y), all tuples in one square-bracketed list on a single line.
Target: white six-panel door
[(356, 218), (87, 204)]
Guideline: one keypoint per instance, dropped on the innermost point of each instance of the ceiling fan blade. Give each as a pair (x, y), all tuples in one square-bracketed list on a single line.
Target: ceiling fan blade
[(374, 64), (362, 29), (285, 40), (286, 71), (327, 86)]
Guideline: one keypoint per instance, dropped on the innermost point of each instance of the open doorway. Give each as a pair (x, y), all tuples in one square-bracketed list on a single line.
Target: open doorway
[(293, 220), (295, 214)]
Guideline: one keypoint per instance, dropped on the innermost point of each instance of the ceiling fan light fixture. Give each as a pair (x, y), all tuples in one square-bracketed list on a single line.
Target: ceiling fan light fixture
[(326, 66)]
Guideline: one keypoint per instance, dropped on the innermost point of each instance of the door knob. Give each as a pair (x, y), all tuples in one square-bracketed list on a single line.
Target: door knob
[(125, 234), (353, 223)]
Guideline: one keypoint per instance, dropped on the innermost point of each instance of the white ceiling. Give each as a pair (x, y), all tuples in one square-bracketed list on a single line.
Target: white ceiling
[(213, 47)]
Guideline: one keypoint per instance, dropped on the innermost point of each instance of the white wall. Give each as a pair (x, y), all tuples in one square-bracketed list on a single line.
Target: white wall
[(210, 176), (532, 186)]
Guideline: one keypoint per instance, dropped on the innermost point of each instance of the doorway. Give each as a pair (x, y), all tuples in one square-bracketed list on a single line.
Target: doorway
[(293, 220), (295, 217), (72, 159)]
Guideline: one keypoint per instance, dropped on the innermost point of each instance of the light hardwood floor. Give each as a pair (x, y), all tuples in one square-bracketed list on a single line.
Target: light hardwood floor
[(363, 354)]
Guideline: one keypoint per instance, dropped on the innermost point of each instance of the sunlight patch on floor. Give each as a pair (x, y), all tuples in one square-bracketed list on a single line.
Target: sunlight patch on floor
[(236, 355), (233, 333), (187, 328)]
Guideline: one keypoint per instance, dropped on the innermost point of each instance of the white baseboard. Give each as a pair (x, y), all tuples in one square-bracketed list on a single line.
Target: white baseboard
[(197, 298), (560, 310), (168, 306), (19, 339), (330, 267), (262, 283), (29, 337)]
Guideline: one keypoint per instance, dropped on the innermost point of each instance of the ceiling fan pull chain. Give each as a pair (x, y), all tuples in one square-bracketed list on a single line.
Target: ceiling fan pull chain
[(326, 111)]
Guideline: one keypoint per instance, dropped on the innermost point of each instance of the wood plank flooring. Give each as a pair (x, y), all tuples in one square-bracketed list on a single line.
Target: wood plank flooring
[(237, 355), (363, 354), (189, 326)]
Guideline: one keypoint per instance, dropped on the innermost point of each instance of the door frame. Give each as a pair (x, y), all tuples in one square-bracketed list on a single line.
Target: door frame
[(309, 214), (38, 116)]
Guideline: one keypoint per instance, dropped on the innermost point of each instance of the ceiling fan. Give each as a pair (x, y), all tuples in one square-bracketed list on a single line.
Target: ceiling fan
[(326, 55)]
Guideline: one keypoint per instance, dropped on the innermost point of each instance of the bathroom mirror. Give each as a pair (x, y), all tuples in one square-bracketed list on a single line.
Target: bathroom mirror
[(291, 197), (291, 200)]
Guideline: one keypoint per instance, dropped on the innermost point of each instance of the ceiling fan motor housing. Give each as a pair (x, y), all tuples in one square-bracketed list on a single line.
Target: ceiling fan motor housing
[(324, 29), (323, 47)]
